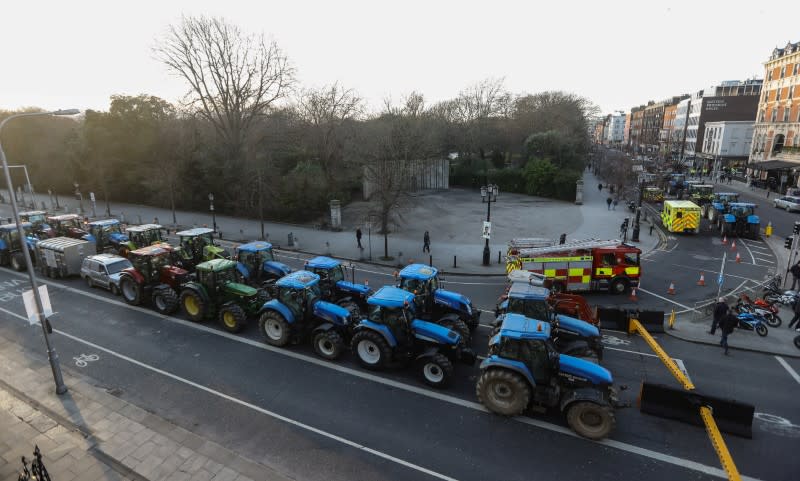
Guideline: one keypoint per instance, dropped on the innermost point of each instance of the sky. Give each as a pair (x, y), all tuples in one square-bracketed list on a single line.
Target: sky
[(618, 54)]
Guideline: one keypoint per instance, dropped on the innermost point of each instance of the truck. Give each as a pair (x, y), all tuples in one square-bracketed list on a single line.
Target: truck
[(682, 216), (11, 248), (62, 256), (720, 204), (108, 237), (581, 266), (67, 225)]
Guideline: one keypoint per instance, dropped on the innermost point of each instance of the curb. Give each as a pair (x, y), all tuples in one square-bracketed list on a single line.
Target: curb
[(672, 333)]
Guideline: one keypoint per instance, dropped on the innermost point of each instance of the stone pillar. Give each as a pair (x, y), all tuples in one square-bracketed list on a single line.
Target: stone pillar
[(336, 214), (579, 192)]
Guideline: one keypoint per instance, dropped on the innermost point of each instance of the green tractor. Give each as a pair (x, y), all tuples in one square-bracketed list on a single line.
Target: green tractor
[(216, 293), (197, 246), (144, 235), (702, 195)]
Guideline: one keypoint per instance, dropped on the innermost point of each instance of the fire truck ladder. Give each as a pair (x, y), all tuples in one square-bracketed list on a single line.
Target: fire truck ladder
[(583, 244)]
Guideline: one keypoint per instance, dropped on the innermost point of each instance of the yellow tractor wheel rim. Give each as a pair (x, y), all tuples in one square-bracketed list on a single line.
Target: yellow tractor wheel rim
[(229, 319), (191, 306)]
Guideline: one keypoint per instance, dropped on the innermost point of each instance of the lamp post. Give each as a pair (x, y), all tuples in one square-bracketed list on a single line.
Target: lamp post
[(488, 195), (51, 352), (213, 214)]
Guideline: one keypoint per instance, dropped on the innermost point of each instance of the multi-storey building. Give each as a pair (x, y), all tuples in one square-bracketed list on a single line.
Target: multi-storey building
[(626, 134), (665, 134), (635, 133), (615, 129), (727, 144), (776, 135)]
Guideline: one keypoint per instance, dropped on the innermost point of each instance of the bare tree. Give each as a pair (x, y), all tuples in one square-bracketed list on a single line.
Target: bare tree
[(233, 77), (388, 195)]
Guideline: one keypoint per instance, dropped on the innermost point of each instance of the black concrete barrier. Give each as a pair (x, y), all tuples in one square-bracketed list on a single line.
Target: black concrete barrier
[(653, 321), (612, 318)]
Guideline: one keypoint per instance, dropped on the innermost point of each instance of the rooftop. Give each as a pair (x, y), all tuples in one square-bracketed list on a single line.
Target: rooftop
[(298, 280), (526, 291), (197, 231), (104, 222), (322, 262), (216, 265), (257, 246), (391, 297), (517, 326), (419, 271), (143, 227)]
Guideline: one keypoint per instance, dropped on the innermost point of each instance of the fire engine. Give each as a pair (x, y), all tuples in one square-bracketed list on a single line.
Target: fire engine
[(585, 265)]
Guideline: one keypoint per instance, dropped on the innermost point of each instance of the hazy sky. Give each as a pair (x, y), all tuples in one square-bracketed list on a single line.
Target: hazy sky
[(60, 54)]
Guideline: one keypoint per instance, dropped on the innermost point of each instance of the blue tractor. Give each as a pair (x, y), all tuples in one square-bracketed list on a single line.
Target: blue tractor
[(296, 312), (334, 284), (257, 265), (436, 304), (11, 248), (676, 184), (570, 336), (741, 220), (391, 335), (523, 368), (38, 218), (108, 237), (720, 205)]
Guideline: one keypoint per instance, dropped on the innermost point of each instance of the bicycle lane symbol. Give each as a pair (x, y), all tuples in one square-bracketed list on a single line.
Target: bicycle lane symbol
[(84, 359)]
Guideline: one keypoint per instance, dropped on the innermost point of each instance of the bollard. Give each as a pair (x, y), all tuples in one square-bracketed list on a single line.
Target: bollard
[(454, 261), (498, 256), (327, 248), (430, 260)]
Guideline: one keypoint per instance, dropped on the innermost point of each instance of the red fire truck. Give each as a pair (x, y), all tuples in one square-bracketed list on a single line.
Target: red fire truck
[(585, 265)]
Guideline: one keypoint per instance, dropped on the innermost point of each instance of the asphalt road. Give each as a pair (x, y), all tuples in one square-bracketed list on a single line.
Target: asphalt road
[(334, 421)]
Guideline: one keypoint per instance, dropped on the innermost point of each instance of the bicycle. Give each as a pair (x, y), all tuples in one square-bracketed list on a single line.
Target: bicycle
[(37, 471)]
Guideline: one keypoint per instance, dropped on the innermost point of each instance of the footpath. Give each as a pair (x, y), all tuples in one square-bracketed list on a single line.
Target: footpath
[(88, 434), (453, 218)]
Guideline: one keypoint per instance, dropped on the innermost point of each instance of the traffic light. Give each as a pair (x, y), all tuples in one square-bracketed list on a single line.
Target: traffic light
[(788, 242), (796, 228)]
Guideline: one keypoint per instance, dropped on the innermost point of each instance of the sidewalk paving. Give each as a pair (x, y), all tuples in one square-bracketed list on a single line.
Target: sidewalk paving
[(88, 434)]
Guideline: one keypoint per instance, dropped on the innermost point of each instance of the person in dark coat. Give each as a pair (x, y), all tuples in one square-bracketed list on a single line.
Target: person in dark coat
[(426, 242), (720, 311), (796, 317), (608, 203), (795, 271), (358, 237), (728, 324), (600, 187)]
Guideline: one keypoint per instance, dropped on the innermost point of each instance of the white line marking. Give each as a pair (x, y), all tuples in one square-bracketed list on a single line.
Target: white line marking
[(664, 298), (765, 260), (789, 369), (760, 248), (682, 367), (666, 458), (748, 250)]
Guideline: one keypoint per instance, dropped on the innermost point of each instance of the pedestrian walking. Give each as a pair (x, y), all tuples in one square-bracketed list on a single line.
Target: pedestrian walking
[(769, 189), (796, 318), (728, 324), (795, 271), (652, 224), (608, 203), (358, 238), (721, 310), (615, 204), (426, 243), (600, 187), (155, 220)]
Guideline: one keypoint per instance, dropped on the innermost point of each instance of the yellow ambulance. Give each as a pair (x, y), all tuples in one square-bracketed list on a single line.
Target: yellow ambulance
[(681, 216)]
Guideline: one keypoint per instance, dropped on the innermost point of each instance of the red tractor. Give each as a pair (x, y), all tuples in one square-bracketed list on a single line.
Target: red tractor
[(68, 225), (154, 277)]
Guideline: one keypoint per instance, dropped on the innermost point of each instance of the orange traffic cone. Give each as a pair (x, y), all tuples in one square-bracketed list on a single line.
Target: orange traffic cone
[(633, 295), (738, 258), (733, 245), (724, 239), (671, 290), (702, 280)]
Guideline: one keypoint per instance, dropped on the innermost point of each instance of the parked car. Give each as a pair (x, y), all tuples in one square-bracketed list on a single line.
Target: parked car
[(788, 202), (103, 270)]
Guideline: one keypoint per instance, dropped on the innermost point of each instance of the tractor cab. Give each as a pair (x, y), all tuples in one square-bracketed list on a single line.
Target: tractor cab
[(393, 308), (333, 282), (220, 276), (741, 220), (719, 204), (38, 219), (145, 235), (11, 247), (701, 193), (198, 245), (67, 225), (154, 265), (433, 302), (107, 235), (257, 265), (299, 291)]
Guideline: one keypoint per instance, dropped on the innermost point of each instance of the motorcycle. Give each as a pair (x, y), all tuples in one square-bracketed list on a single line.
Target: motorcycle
[(749, 321), (774, 294), (769, 311)]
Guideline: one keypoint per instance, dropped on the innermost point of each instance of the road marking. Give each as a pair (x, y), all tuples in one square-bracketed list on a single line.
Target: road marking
[(748, 250), (760, 248), (682, 367), (664, 298), (666, 458), (765, 260), (789, 369)]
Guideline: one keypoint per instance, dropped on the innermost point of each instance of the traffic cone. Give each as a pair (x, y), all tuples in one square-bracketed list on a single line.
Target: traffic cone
[(733, 245), (671, 290), (724, 239), (633, 295), (702, 280), (738, 258)]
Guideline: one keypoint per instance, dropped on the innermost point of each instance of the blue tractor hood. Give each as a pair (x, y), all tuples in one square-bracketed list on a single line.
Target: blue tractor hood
[(428, 331), (89, 238), (753, 219), (453, 300), (31, 241), (582, 328), (360, 289), (278, 268), (331, 312), (118, 238), (729, 218), (585, 369)]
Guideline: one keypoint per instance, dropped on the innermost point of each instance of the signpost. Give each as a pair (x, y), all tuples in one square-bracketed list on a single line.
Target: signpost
[(487, 230)]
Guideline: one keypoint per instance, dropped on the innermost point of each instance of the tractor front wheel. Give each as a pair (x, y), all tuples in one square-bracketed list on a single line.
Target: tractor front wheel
[(193, 305), (371, 349), (165, 300), (232, 317), (131, 290), (503, 392), (328, 344), (275, 328), (436, 370), (591, 420)]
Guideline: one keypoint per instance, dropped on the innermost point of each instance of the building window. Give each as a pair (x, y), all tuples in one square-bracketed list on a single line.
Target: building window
[(783, 71), (791, 92), (761, 116), (774, 116), (786, 114), (778, 94), (769, 75), (796, 68)]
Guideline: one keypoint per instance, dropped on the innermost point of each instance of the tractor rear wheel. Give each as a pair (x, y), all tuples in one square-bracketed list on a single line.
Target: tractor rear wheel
[(454, 323), (371, 349), (131, 290), (232, 317), (193, 305), (275, 328), (436, 370), (503, 392), (591, 420), (328, 344), (165, 300)]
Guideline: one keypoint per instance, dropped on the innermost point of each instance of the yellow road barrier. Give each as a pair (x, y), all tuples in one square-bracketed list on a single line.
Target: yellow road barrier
[(719, 444)]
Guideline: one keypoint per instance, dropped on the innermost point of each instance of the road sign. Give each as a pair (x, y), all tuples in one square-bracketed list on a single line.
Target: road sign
[(30, 304), (719, 279), (91, 196), (487, 230)]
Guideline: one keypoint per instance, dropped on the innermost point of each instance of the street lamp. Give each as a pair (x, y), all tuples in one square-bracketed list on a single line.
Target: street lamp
[(488, 195), (213, 214), (51, 352)]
